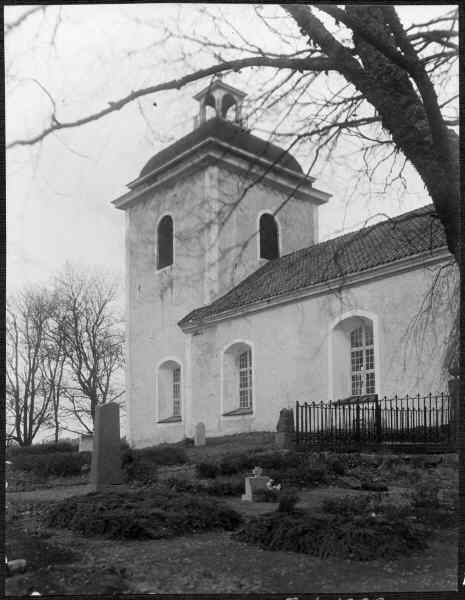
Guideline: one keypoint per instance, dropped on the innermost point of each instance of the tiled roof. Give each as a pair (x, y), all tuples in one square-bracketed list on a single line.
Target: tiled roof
[(411, 233), (228, 132)]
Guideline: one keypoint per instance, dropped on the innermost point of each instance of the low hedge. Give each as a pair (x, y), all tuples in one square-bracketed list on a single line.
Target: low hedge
[(58, 464), (141, 465), (300, 476), (164, 454), (222, 486), (206, 470), (354, 527), (45, 448), (328, 535), (288, 468), (145, 514), (241, 462)]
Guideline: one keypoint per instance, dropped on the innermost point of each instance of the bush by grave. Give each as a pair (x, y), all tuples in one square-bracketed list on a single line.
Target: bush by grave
[(363, 532), (141, 465), (145, 514), (57, 464), (40, 449), (232, 485)]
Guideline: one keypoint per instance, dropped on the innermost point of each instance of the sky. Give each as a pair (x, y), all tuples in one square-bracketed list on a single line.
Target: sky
[(59, 192)]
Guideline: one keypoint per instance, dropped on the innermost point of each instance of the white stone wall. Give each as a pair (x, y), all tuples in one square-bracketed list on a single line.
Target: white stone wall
[(291, 350), (206, 251), (240, 207)]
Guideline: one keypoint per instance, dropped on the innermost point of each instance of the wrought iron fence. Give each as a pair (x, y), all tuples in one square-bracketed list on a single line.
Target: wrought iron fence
[(370, 421)]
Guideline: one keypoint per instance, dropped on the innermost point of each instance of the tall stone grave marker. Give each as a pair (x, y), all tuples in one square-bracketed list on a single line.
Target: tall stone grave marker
[(105, 468), (199, 438)]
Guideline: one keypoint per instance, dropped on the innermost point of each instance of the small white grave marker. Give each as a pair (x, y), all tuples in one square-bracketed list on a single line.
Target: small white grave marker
[(256, 483)]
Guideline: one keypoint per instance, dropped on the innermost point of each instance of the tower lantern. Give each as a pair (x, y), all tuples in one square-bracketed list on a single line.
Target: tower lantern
[(225, 100)]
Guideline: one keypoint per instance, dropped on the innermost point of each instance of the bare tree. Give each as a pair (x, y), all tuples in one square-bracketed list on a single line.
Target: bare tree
[(393, 92), (92, 341), (29, 317), (53, 370)]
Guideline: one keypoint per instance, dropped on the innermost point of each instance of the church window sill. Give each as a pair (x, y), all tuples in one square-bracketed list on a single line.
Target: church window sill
[(172, 419), (238, 412)]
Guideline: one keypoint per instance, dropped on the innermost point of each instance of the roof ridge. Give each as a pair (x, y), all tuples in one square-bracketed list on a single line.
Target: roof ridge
[(360, 230)]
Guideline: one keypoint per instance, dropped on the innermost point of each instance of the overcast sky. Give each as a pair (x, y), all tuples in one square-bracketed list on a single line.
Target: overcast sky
[(59, 193)]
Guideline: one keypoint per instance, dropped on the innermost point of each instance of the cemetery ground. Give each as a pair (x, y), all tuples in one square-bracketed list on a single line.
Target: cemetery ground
[(203, 549)]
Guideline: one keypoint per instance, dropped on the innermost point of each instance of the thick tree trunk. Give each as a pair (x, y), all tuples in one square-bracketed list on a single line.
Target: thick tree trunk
[(391, 92)]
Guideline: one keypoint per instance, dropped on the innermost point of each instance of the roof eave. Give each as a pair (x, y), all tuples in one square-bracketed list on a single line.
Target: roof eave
[(408, 263), (303, 183)]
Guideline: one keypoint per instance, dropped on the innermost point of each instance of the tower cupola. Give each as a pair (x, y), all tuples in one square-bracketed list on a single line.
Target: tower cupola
[(220, 100)]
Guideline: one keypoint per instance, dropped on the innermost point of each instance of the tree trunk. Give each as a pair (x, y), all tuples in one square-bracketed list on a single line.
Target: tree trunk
[(391, 92)]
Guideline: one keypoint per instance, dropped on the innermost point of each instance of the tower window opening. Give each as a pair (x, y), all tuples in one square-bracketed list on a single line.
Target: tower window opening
[(269, 237), (165, 242)]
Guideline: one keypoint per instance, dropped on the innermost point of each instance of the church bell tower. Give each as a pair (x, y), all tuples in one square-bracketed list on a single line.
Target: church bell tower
[(203, 213)]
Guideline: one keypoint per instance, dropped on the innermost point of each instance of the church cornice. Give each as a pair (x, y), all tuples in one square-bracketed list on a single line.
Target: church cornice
[(213, 151), (393, 268)]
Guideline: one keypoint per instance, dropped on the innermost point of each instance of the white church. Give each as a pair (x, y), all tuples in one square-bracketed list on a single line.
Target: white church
[(235, 310)]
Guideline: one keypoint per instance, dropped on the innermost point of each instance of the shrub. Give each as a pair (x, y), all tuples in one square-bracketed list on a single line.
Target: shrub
[(271, 462), (336, 465), (236, 463), (45, 448), (157, 455), (141, 465), (288, 498), (277, 460), (145, 514), (325, 535), (429, 509), (301, 476), (223, 486), (207, 470), (58, 464), (350, 506), (140, 470)]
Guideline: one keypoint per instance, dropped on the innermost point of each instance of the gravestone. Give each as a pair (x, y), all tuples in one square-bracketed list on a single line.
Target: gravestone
[(86, 443), (256, 483), (199, 437), (285, 429), (105, 468)]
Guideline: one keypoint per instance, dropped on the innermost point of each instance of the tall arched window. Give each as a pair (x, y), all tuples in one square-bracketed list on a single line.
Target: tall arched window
[(354, 359), (237, 379), (165, 242), (269, 237), (169, 391), (362, 360)]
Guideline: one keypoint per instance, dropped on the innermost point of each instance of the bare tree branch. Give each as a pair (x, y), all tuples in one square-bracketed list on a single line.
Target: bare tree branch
[(9, 27), (300, 64)]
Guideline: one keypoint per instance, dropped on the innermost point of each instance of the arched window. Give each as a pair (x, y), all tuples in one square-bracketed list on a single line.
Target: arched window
[(354, 368), (269, 237), (362, 360), (245, 379), (165, 242), (237, 379), (169, 391)]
